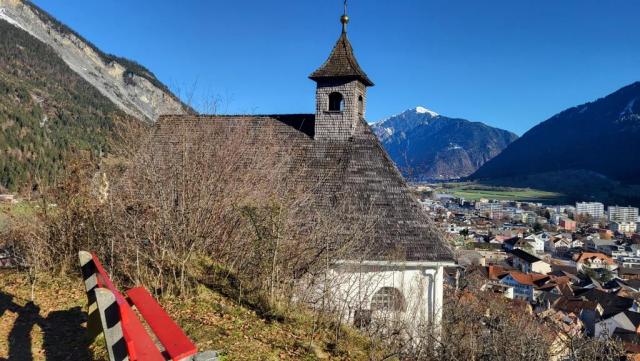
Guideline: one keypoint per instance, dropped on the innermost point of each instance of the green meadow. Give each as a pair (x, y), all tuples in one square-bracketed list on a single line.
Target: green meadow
[(474, 191)]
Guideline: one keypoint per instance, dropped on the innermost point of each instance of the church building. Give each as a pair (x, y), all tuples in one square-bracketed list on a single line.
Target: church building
[(401, 268)]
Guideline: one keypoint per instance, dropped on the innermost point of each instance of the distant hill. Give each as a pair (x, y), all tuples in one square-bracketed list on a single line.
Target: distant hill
[(589, 151), (428, 146), (59, 95)]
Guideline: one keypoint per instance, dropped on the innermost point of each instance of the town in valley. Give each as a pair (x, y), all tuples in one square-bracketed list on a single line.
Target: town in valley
[(577, 264)]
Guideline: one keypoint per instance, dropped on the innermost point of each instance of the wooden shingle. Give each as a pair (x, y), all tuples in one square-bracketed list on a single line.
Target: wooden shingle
[(357, 171)]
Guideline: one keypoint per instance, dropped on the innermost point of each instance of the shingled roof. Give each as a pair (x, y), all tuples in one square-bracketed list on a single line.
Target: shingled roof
[(357, 171), (341, 64)]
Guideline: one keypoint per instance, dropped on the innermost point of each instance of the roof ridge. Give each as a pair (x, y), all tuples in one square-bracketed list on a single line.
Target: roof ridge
[(234, 115)]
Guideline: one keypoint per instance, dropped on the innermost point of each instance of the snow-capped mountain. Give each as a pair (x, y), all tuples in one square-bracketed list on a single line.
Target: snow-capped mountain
[(428, 146), (405, 121)]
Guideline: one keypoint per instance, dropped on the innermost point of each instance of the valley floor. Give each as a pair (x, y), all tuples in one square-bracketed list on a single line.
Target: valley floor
[(475, 191)]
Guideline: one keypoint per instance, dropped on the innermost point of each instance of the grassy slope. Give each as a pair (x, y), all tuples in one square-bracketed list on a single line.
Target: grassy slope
[(211, 320), (8, 212)]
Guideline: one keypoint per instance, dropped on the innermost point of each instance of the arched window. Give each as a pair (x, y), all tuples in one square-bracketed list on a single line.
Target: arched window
[(360, 106), (389, 299), (336, 102)]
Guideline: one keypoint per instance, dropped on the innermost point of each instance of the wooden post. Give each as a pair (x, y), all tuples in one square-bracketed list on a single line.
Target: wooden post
[(111, 324), (90, 279)]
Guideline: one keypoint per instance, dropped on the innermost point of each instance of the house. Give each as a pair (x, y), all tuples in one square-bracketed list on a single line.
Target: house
[(545, 236), (594, 260), (499, 239), (550, 242), (492, 284), (551, 291), (524, 285), (562, 243), (536, 242), (616, 251), (475, 277), (567, 224), (624, 227), (623, 288), (594, 305), (588, 311), (599, 245), (352, 182), (516, 242), (527, 262), (629, 261), (575, 242), (499, 288), (453, 228), (564, 272), (567, 322), (610, 303), (629, 273), (625, 320)]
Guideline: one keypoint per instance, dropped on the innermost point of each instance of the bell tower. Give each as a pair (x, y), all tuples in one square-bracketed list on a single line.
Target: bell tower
[(341, 91)]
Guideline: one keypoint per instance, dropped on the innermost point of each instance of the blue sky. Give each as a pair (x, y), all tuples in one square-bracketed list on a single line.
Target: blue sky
[(510, 64)]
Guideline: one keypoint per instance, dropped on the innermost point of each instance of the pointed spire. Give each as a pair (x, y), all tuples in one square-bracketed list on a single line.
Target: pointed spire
[(344, 19), (342, 63)]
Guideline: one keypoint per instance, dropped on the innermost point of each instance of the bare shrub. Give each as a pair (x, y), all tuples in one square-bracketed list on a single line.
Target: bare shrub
[(215, 209), (485, 326)]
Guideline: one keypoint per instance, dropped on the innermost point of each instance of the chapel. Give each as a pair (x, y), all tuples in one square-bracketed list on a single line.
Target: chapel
[(335, 152)]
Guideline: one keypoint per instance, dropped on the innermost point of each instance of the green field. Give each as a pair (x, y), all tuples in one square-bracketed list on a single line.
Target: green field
[(474, 192), (23, 211)]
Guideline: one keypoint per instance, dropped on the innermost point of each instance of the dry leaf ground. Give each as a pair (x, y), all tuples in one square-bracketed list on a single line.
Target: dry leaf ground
[(53, 326)]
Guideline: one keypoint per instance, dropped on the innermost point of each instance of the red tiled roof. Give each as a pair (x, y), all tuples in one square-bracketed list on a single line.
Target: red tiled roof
[(529, 279), (496, 272), (584, 256)]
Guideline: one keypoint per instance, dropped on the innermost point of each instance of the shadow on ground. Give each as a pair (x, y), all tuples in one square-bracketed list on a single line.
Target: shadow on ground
[(64, 336)]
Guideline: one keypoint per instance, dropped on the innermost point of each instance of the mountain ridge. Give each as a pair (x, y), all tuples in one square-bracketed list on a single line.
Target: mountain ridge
[(132, 87), (428, 146), (597, 139)]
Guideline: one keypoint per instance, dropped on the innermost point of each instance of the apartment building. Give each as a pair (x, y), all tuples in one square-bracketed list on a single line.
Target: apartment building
[(593, 209)]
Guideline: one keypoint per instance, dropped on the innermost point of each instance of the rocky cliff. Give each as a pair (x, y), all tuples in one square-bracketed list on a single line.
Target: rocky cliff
[(127, 84)]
